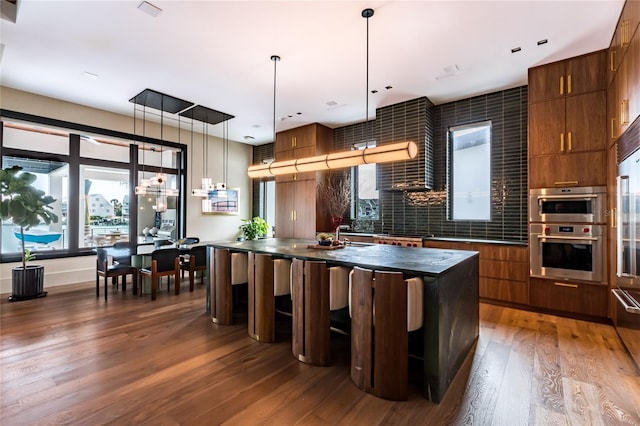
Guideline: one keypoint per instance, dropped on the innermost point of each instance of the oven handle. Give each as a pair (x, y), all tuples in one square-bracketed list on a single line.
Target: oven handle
[(561, 237), (567, 196), (619, 294)]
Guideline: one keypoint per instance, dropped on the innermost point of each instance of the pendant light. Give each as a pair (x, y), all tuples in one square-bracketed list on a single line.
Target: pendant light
[(157, 184), (339, 160), (209, 117), (205, 182)]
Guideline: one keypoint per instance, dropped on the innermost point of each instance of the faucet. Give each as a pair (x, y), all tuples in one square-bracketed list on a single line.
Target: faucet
[(338, 228)]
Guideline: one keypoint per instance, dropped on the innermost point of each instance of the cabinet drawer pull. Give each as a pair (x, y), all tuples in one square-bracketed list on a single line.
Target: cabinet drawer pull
[(624, 112), (561, 142), (566, 183), (613, 123), (625, 34), (562, 85), (565, 285), (569, 83), (611, 61), (614, 218), (569, 142)]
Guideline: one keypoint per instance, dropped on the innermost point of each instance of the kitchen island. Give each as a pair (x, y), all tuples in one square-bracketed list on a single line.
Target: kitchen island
[(450, 303)]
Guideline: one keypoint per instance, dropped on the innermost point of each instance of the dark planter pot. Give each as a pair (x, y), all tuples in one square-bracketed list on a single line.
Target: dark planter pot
[(28, 283)]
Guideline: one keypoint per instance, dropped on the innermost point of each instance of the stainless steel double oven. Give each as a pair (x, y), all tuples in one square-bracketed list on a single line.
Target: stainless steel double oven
[(567, 233)]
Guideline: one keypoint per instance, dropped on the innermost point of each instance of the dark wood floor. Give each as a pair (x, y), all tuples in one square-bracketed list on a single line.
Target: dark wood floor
[(70, 358)]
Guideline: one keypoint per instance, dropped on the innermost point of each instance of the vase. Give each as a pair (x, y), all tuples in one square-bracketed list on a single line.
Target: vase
[(335, 222)]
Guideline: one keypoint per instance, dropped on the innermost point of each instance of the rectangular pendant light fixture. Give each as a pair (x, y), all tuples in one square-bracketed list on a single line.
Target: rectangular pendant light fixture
[(339, 160)]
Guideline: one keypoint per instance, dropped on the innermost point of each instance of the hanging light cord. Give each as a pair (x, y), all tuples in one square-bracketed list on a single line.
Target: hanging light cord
[(226, 152), (205, 149), (191, 154), (367, 13), (275, 59)]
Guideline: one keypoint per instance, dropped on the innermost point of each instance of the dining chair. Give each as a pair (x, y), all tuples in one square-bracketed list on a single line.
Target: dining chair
[(164, 263), (195, 260), (103, 269)]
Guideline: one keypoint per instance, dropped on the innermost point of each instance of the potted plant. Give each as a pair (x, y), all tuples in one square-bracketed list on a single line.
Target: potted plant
[(25, 206), (254, 228)]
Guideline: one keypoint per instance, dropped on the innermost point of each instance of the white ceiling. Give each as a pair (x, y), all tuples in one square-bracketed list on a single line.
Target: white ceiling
[(217, 53)]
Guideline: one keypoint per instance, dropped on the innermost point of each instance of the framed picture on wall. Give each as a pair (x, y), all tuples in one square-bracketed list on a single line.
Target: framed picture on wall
[(223, 201)]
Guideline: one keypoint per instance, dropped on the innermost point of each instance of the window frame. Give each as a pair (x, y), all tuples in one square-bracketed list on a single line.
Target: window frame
[(450, 171), (74, 160)]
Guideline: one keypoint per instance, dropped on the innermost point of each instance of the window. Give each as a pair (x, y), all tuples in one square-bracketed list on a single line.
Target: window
[(470, 172), (88, 173), (268, 203), (52, 177), (105, 190), (365, 196)]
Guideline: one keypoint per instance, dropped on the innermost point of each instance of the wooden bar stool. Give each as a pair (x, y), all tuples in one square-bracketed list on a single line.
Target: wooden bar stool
[(262, 313), (311, 313), (281, 277), (384, 307), (227, 269), (338, 287)]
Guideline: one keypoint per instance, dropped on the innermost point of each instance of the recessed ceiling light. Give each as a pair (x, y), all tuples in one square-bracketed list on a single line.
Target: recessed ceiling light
[(544, 41), (149, 9), (248, 138), (256, 126), (516, 49), (374, 91), (331, 103)]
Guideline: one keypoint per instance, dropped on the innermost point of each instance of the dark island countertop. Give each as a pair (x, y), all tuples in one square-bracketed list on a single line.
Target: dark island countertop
[(420, 261)]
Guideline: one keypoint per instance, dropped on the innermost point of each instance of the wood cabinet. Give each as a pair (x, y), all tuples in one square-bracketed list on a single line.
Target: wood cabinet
[(582, 74), (622, 37), (582, 169), (633, 74), (623, 97), (504, 269), (568, 122), (306, 141), (298, 213), (573, 124), (296, 209), (570, 296)]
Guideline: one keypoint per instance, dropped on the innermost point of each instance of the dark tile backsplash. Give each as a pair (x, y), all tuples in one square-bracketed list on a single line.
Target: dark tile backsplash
[(424, 211)]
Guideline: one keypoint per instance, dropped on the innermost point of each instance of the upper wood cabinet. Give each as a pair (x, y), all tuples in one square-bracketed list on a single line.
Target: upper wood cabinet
[(568, 125), (624, 32), (306, 141), (564, 126), (633, 74), (582, 74), (623, 95), (311, 135), (298, 212)]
